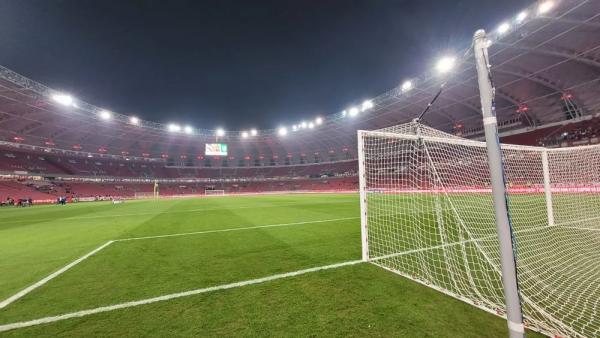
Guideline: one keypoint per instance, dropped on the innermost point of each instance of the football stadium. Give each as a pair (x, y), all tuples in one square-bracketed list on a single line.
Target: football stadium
[(464, 202)]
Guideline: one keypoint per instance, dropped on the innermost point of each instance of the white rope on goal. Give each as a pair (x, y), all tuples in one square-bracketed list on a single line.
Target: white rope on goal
[(429, 216)]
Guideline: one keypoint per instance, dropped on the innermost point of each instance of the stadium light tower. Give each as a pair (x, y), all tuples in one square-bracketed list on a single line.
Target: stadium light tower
[(514, 314)]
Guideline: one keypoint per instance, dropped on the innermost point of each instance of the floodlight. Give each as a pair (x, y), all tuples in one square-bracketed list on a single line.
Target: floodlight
[(282, 131), (545, 7), (353, 111), (503, 28), (64, 99), (406, 86), (105, 115), (188, 129), (303, 124), (521, 17), (319, 121), (445, 64), (344, 113), (311, 125), (253, 132), (134, 120), (367, 104), (294, 127), (174, 127), (244, 134), (220, 132)]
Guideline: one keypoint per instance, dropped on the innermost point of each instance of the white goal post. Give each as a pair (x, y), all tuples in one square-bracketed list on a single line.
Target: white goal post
[(214, 192), (427, 213)]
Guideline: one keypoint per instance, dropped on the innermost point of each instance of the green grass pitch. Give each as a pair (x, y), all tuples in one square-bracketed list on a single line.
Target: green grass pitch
[(359, 300)]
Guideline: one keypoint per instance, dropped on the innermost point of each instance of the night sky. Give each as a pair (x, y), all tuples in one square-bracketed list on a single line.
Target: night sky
[(236, 64)]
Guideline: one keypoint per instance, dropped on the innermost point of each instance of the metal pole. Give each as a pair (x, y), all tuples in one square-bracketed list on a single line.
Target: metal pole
[(514, 315), (547, 188), (363, 196)]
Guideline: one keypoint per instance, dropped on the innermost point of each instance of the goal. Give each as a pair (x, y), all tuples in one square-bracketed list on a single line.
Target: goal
[(427, 214), (146, 195), (214, 192)]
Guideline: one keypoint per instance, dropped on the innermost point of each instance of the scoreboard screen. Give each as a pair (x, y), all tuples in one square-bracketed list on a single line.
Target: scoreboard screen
[(215, 149)]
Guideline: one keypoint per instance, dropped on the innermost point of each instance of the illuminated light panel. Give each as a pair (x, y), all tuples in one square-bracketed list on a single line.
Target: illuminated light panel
[(445, 64), (521, 17), (253, 132), (319, 121), (220, 132), (311, 125), (105, 115), (353, 111), (134, 120), (188, 129), (174, 128), (244, 134), (545, 7), (503, 28), (282, 131), (64, 99), (303, 125), (367, 104), (406, 86)]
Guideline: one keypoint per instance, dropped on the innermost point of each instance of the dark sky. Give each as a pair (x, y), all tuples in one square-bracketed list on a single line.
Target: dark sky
[(236, 64)]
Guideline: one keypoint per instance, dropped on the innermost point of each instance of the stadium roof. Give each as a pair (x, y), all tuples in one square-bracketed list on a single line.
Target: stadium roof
[(545, 63)]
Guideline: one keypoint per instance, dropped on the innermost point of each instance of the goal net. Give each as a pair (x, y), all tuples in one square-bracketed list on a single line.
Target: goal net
[(146, 195), (427, 214), (214, 192)]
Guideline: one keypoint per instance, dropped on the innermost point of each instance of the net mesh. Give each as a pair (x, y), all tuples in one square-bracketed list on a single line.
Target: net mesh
[(145, 195), (214, 192), (429, 216)]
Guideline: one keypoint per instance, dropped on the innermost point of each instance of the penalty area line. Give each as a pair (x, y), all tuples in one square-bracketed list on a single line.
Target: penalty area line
[(48, 278), (235, 229), (83, 313), (55, 274)]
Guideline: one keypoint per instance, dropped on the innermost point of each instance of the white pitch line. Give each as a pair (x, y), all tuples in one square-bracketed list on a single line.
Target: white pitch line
[(27, 290), (235, 229), (169, 212), (88, 312)]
